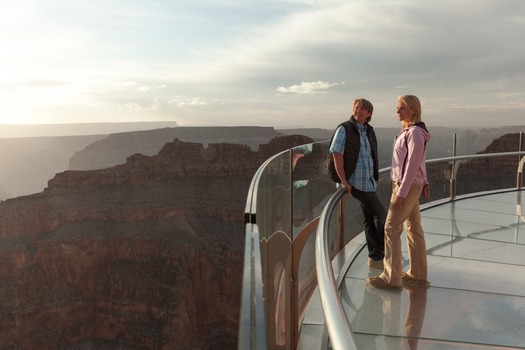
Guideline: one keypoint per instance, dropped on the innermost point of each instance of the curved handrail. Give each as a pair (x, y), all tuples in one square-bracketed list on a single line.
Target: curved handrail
[(474, 156), (251, 202), (341, 335), (471, 156), (339, 330), (324, 269), (252, 325), (458, 160), (252, 338), (249, 210)]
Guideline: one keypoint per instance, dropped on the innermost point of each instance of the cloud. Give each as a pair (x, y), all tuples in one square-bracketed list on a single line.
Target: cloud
[(401, 87), (147, 88), (132, 106), (248, 61), (188, 102), (317, 87)]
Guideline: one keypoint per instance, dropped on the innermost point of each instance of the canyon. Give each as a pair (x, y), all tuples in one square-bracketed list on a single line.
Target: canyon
[(142, 255), (136, 242)]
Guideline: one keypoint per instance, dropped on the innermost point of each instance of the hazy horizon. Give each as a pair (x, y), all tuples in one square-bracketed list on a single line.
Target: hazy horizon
[(8, 131), (279, 63)]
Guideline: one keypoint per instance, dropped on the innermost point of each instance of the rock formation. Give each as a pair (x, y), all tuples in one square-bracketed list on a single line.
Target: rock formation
[(117, 147), (496, 172), (29, 162), (142, 255), (479, 174)]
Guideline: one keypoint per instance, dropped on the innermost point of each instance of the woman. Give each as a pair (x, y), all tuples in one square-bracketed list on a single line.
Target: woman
[(409, 179)]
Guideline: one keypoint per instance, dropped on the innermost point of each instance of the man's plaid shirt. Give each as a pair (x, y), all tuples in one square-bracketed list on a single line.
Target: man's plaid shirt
[(363, 176)]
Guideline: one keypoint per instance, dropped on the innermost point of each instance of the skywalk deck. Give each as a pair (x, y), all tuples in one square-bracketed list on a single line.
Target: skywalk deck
[(476, 259)]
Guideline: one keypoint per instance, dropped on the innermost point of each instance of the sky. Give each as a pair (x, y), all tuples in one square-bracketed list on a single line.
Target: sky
[(279, 63)]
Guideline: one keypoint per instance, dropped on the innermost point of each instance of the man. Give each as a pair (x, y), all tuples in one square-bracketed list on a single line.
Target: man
[(354, 150)]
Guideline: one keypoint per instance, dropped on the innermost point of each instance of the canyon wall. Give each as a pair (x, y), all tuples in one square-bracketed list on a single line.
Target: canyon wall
[(142, 255), (27, 163), (117, 147), (495, 172), (146, 254), (479, 174)]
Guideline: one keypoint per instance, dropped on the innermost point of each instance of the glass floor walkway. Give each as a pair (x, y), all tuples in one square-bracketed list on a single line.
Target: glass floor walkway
[(476, 260)]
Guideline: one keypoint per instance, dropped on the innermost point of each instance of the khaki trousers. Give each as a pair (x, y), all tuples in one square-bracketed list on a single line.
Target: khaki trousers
[(409, 215)]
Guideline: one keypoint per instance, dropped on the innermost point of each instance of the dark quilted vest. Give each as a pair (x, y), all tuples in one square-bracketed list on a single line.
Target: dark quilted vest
[(352, 145)]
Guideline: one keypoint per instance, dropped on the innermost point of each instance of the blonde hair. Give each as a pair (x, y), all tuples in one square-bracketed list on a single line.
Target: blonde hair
[(412, 103)]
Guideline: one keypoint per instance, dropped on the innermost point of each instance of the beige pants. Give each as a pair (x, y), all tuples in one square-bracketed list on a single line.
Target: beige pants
[(409, 215)]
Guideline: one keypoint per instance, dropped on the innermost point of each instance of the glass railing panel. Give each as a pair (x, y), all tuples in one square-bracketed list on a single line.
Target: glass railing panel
[(439, 173), (311, 188), (483, 174), (495, 140), (438, 176), (274, 221), (491, 173), (353, 224), (458, 144), (291, 194)]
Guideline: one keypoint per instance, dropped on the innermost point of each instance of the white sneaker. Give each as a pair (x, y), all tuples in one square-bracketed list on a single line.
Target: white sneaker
[(376, 264)]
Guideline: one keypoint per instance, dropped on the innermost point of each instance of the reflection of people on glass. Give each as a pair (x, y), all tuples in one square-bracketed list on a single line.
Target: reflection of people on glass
[(354, 151), (310, 187), (382, 313), (417, 303), (280, 304), (409, 177)]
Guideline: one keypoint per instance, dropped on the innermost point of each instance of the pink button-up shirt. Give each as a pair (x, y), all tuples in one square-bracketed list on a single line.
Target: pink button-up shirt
[(408, 159)]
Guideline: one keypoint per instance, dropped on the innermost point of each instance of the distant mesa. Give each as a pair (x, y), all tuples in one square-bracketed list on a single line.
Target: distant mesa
[(117, 147), (29, 162), (71, 129)]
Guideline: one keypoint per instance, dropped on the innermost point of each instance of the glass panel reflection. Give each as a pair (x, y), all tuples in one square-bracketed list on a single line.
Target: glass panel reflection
[(476, 300)]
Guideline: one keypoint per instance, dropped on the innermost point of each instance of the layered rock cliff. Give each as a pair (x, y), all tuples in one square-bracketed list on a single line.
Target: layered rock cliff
[(117, 147), (479, 174), (143, 255), (27, 163), (493, 172)]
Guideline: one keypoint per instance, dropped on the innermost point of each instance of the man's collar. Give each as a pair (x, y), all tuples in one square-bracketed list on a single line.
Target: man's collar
[(353, 120)]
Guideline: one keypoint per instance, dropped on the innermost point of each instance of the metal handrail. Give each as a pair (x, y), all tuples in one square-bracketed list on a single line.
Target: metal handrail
[(252, 337), (473, 156), (251, 203), (254, 303), (339, 330), (341, 335), (458, 160)]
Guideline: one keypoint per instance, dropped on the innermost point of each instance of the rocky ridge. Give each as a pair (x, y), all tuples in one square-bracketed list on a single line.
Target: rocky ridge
[(117, 147), (142, 255)]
